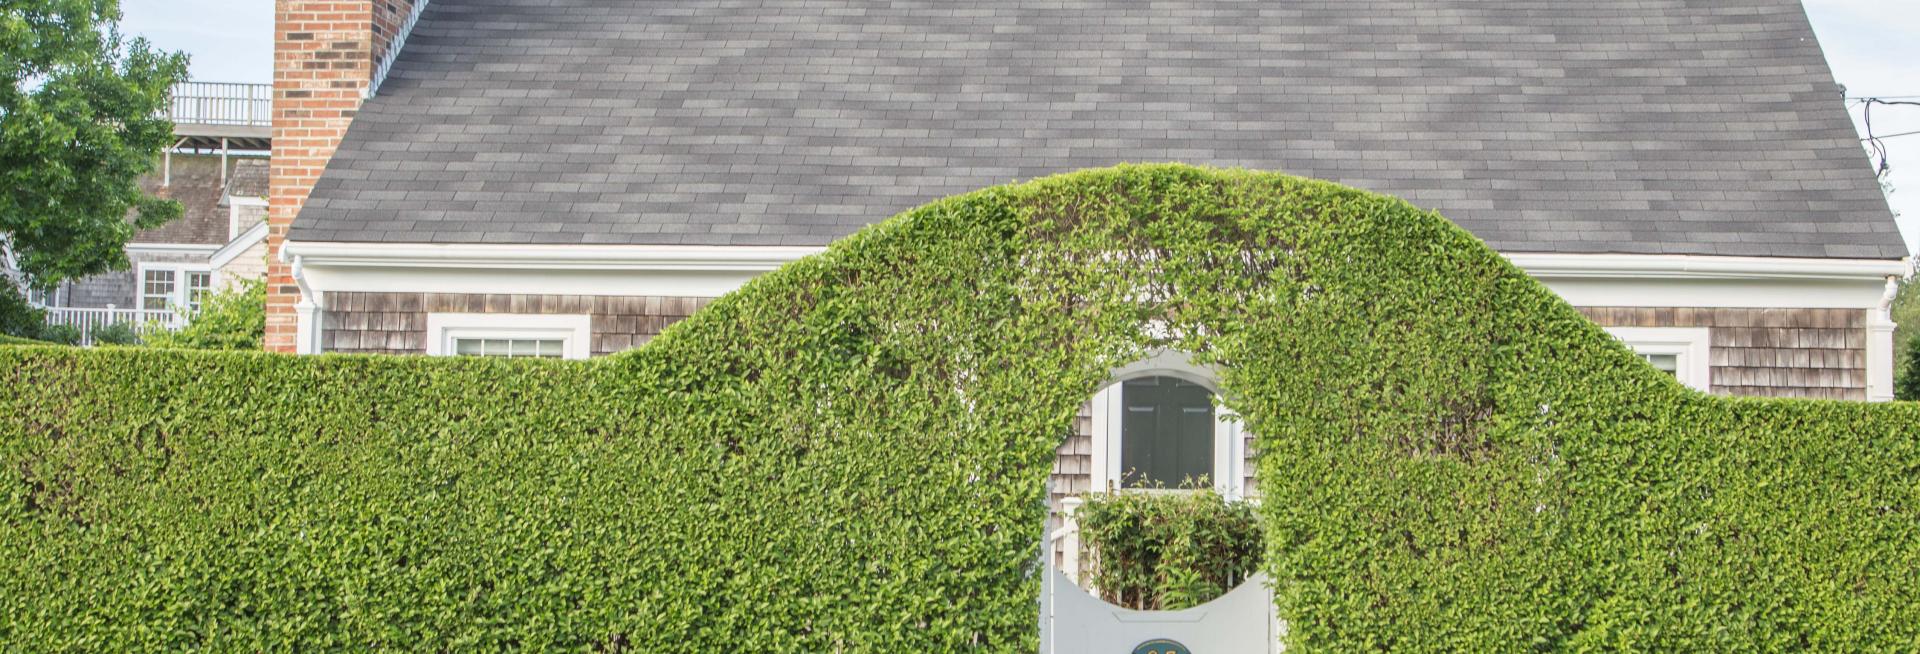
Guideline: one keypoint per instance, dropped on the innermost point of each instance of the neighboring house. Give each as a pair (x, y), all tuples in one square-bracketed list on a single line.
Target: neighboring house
[(541, 178), (244, 257), (218, 174)]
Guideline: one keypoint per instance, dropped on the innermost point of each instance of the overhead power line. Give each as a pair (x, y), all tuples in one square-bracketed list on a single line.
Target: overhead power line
[(1877, 144)]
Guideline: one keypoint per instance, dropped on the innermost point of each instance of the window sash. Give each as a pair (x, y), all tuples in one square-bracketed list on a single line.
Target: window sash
[(199, 283), (562, 336), (157, 288), (510, 348)]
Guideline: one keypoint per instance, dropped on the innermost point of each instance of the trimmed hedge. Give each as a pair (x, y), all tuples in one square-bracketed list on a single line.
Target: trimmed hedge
[(1167, 551), (849, 454)]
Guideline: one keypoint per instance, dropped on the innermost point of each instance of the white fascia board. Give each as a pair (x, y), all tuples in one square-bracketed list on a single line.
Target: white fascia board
[(547, 257), (1602, 280), (172, 248), (247, 239), (1718, 293), (325, 277), (1630, 280), (1683, 266)]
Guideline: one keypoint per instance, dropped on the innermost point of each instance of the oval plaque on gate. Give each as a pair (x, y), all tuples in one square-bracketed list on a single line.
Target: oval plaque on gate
[(1160, 646)]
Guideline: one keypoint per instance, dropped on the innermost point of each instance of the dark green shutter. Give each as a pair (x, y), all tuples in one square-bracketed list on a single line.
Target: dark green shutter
[(1166, 432)]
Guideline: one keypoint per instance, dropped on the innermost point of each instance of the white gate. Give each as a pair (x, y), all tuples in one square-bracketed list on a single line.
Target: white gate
[(1073, 621)]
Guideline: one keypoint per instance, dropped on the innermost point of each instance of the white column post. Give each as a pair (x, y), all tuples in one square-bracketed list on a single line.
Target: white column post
[(307, 319), (1880, 363)]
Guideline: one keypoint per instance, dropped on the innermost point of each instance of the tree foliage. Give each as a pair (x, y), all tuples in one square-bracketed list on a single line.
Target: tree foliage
[(81, 119), (228, 319), (850, 454), (1905, 313)]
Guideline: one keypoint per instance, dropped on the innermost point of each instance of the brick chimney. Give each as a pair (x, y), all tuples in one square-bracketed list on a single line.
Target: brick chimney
[(325, 53)]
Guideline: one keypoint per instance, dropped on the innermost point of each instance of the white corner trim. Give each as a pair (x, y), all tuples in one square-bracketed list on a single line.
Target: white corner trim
[(171, 248), (307, 319), (575, 329), (1692, 345), (234, 248), (549, 257), (1685, 266), (1880, 363)]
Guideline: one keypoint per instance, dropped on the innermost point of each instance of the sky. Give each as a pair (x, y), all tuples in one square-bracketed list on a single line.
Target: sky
[(1872, 45)]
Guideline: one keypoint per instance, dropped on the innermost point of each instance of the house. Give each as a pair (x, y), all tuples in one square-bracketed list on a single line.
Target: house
[(217, 173), (565, 178)]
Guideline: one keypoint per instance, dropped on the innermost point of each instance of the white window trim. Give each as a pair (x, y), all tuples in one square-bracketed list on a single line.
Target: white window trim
[(1229, 447), (178, 302), (233, 214), (1691, 345), (575, 330)]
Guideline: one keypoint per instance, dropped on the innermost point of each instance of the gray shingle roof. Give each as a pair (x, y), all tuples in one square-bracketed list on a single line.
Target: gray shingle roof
[(1637, 126), (248, 180)]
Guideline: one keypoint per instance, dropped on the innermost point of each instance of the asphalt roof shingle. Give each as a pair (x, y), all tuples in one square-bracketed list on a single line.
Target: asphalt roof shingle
[(1632, 126)]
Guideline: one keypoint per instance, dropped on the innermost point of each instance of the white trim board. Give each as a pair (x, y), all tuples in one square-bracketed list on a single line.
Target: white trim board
[(323, 278), (1691, 345), (575, 329), (720, 257), (1688, 266), (547, 257), (172, 248), (685, 280), (247, 239), (1229, 444), (1599, 280)]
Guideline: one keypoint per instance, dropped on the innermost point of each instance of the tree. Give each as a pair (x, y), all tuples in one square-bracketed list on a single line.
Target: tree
[(81, 119), (1906, 315), (1907, 387)]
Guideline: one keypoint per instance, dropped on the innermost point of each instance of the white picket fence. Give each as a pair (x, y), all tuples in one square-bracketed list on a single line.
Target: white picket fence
[(87, 320)]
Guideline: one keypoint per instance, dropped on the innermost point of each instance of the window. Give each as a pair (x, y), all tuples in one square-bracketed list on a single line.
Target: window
[(509, 335), (165, 286), (156, 289), (1158, 426), (1667, 363), (1166, 432), (45, 298), (198, 283), (1683, 352), (511, 348)]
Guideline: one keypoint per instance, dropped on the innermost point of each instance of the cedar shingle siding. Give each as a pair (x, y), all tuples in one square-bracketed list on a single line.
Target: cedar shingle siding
[(396, 323), (1815, 353), (197, 186)]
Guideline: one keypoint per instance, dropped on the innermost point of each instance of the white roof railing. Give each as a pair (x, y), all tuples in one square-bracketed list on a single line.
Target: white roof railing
[(222, 103)]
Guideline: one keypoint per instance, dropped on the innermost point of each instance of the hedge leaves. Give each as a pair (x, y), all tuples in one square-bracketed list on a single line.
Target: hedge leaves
[(849, 454)]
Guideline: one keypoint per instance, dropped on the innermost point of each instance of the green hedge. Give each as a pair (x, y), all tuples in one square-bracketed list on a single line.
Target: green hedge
[(849, 454)]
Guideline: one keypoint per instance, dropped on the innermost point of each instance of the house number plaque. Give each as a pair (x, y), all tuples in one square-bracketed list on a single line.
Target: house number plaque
[(1160, 646)]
